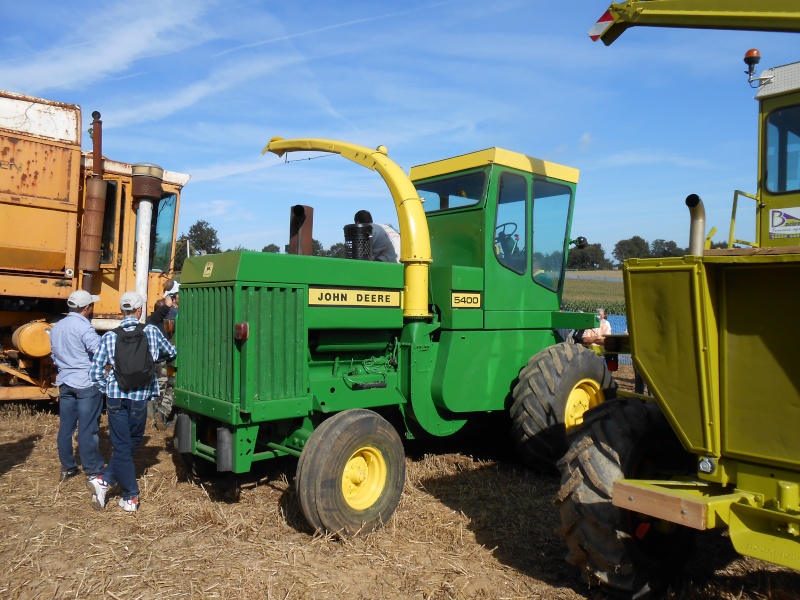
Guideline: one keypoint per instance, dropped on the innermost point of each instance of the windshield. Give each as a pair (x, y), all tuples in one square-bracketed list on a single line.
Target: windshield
[(452, 192), (551, 203), (510, 223), (783, 150), (161, 233)]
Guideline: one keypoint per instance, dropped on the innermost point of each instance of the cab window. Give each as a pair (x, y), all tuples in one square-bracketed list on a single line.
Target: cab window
[(783, 150), (108, 237), (509, 223), (452, 192), (551, 203)]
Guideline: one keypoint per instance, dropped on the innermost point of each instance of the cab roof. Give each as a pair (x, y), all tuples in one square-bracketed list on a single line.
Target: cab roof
[(498, 156), (780, 80)]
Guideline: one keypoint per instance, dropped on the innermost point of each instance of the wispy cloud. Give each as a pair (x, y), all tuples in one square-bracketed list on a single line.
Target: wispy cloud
[(224, 171), (111, 41), (154, 108), (584, 144), (632, 158), (334, 26), (218, 207)]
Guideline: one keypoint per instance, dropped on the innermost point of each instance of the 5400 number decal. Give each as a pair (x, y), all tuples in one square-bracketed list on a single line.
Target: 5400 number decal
[(465, 300)]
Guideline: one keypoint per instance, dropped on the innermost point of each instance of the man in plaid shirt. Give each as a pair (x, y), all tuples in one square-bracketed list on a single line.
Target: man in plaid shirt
[(127, 410)]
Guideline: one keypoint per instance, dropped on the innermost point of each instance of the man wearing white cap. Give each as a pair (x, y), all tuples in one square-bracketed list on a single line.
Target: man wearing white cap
[(73, 342), (126, 405)]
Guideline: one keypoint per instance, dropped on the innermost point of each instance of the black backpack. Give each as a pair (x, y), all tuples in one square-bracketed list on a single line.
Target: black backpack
[(134, 364)]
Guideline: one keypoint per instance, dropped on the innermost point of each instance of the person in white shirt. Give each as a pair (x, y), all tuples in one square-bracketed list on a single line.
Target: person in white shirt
[(383, 248), (596, 335)]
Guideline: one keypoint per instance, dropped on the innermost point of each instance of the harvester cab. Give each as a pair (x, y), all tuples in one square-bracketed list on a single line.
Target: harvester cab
[(713, 447), (525, 192), (777, 200), (309, 356)]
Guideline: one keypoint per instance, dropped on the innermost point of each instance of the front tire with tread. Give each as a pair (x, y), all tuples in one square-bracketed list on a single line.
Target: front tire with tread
[(556, 386), (351, 473), (626, 551)]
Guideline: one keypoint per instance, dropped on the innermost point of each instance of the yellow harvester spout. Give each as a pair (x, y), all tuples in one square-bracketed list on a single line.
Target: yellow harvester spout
[(415, 244)]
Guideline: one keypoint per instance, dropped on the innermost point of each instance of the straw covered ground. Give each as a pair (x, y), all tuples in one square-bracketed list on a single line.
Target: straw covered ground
[(471, 524)]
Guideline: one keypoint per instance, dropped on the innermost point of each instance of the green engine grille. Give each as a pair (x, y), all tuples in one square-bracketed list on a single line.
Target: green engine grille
[(205, 342), (276, 351), (269, 365)]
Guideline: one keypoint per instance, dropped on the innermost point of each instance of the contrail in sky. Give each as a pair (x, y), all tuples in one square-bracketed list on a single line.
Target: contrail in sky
[(329, 27)]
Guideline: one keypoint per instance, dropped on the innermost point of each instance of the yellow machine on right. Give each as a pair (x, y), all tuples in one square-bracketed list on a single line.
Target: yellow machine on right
[(713, 334)]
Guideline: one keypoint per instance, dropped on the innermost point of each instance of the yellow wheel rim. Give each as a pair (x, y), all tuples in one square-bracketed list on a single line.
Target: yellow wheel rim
[(364, 478), (585, 395)]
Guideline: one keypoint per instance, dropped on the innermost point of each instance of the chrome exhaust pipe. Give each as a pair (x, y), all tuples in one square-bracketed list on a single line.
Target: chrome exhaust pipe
[(146, 192), (697, 229)]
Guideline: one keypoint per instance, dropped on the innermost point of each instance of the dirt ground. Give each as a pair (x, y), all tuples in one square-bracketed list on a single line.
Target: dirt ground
[(472, 523)]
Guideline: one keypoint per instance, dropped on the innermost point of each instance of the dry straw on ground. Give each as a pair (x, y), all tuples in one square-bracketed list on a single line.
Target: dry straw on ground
[(471, 524)]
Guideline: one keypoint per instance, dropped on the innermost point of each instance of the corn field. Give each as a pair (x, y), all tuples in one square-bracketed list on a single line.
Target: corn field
[(586, 295)]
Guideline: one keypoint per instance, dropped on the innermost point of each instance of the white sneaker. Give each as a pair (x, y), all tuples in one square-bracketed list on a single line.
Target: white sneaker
[(131, 505), (98, 488)]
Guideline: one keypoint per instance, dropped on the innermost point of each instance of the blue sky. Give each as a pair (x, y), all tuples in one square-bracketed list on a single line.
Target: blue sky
[(200, 87)]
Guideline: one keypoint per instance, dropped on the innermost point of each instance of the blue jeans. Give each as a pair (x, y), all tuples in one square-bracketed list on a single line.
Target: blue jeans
[(126, 423), (80, 407)]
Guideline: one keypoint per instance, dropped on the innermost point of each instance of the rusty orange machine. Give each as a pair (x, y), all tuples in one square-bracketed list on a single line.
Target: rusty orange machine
[(70, 220)]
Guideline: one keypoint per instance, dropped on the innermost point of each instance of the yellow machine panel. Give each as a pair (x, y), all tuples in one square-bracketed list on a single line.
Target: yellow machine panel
[(35, 238), (40, 164), (668, 312), (38, 170), (760, 413)]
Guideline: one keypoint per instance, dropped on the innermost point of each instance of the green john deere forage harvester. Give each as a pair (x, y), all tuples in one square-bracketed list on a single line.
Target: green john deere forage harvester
[(314, 357), (713, 335)]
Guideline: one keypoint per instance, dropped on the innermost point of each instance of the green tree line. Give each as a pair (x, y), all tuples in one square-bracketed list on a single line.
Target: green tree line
[(593, 256)]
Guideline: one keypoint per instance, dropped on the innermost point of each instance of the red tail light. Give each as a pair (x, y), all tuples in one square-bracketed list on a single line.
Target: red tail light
[(612, 362), (241, 331)]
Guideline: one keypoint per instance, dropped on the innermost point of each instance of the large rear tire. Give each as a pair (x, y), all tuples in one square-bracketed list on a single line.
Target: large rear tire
[(629, 552), (351, 473), (555, 389)]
